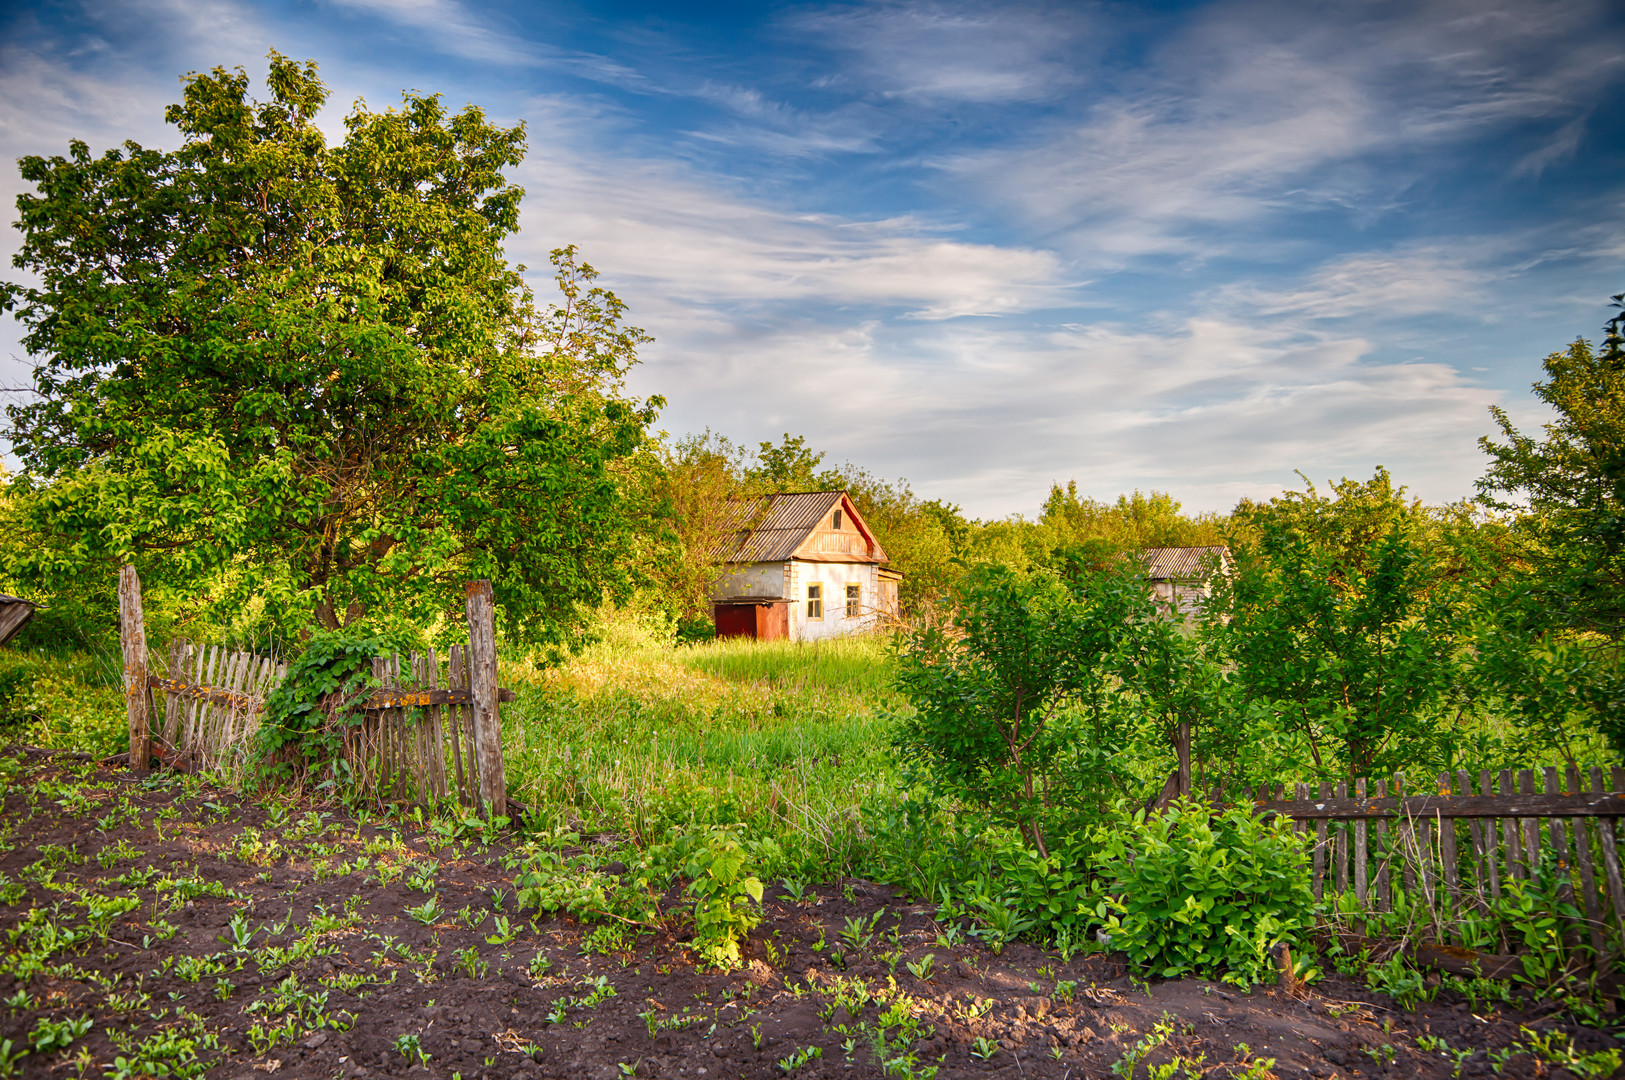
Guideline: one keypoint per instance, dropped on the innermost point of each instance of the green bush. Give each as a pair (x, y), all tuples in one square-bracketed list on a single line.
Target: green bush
[(727, 896), (1187, 893)]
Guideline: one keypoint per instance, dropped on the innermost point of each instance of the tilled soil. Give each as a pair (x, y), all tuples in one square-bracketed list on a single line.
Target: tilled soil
[(260, 943)]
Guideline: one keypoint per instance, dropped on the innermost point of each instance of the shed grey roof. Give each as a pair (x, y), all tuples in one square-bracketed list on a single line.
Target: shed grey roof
[(1182, 563), (14, 612), (772, 528)]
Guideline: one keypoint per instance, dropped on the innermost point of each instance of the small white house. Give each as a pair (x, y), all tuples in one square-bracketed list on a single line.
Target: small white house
[(803, 566)]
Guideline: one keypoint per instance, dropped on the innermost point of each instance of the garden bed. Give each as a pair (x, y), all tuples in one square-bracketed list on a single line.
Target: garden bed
[(200, 932)]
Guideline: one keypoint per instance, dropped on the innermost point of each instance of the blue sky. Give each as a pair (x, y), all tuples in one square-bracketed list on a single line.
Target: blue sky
[(987, 247)]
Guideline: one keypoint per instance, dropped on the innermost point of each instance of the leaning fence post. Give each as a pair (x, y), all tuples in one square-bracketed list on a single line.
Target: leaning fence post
[(482, 683), (132, 636), (1184, 749)]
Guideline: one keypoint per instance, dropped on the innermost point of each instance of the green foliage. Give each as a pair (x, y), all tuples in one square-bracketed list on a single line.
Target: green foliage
[(1338, 627), (1568, 490), (726, 895), (270, 366), (66, 701), (1010, 709), (304, 716), (1187, 894), (1131, 523)]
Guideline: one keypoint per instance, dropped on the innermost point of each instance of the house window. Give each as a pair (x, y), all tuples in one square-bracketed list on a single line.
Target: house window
[(837, 521), (815, 601), (854, 600)]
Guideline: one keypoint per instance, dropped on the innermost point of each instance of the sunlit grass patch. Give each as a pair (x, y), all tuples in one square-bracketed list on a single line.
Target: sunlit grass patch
[(636, 736)]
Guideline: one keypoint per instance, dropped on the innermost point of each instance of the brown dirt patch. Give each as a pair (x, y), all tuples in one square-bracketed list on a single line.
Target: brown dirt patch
[(337, 971)]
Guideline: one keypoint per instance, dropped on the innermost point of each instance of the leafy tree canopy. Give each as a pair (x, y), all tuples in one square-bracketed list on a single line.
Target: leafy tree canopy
[(1568, 489), (309, 368)]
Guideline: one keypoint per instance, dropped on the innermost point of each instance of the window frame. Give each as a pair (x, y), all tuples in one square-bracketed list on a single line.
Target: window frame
[(854, 599), (815, 595)]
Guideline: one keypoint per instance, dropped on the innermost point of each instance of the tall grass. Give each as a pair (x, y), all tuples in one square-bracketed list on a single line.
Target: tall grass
[(636, 736)]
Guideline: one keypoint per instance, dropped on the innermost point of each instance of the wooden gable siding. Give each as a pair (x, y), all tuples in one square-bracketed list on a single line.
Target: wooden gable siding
[(851, 543)]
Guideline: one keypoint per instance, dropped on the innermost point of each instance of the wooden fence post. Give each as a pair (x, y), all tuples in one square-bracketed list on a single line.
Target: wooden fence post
[(1183, 746), (132, 636), (482, 683)]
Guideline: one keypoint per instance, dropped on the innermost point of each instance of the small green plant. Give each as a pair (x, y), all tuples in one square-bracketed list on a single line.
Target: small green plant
[(239, 933), (504, 932), (1555, 1048), (410, 1047), (1434, 1044), (428, 913), (1160, 1033), (49, 1035), (921, 969), (468, 960), (726, 896), (1257, 1068), (420, 876), (1065, 990), (9, 1057), (539, 965), (858, 932), (984, 1048), (1394, 977), (605, 940), (799, 1058)]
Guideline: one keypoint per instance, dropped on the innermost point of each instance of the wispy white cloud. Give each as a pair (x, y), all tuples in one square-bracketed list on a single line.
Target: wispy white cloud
[(450, 27), (684, 239), (1562, 145), (933, 53), (1254, 110), (989, 415), (1415, 280)]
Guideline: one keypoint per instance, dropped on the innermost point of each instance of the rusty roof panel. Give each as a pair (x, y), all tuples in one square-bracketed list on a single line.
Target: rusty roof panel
[(14, 612), (1181, 563), (772, 528)]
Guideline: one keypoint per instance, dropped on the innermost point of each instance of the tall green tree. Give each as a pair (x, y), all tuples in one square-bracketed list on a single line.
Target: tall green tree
[(312, 366), (1568, 489), (1012, 710), (1338, 626)]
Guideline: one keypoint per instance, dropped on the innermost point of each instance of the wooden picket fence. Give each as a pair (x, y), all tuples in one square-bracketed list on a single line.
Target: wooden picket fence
[(417, 741), (1455, 845), (213, 700)]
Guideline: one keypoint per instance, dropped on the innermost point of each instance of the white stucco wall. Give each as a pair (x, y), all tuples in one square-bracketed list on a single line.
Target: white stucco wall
[(751, 579), (834, 577)]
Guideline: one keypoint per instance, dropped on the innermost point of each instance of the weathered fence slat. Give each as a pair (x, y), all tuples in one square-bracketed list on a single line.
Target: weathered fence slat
[(1447, 855), (1318, 881), (1385, 856), (1588, 876), (1341, 855), (1361, 881)]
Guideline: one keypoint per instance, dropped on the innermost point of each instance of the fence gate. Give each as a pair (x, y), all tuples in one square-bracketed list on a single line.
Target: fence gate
[(417, 741)]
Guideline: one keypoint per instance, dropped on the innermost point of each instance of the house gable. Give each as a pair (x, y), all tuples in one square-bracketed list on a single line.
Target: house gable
[(852, 541)]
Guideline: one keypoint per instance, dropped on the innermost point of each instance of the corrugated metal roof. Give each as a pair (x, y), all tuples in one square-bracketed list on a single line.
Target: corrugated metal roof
[(14, 612), (772, 528), (769, 528), (1181, 563)]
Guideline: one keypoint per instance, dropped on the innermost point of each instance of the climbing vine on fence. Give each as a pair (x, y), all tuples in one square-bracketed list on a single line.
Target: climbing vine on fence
[(305, 715)]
